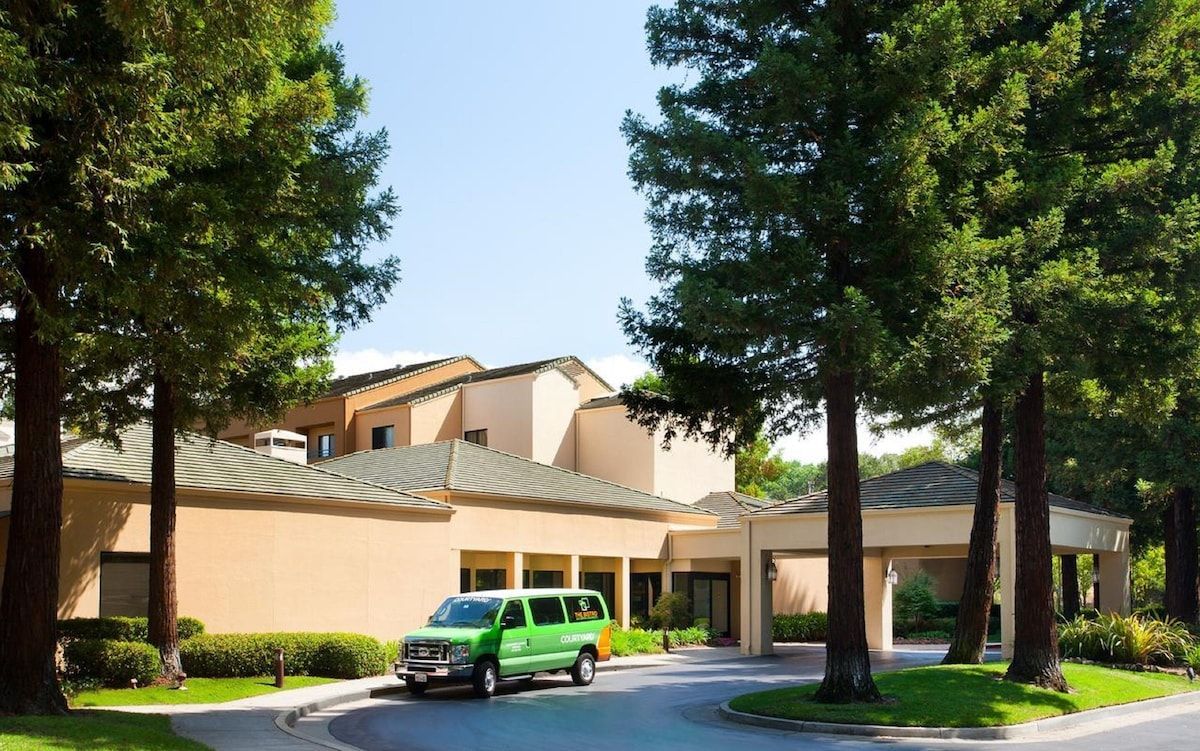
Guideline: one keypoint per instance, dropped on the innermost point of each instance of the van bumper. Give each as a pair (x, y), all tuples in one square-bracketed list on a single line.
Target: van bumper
[(438, 673)]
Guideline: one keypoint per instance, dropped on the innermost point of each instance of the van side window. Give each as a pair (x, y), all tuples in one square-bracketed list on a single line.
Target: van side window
[(514, 610), (546, 611), (582, 608)]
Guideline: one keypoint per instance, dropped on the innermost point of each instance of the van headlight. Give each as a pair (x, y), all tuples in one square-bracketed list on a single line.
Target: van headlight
[(460, 654)]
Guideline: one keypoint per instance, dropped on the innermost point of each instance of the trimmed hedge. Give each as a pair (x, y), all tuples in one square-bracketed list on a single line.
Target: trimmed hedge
[(332, 655), (800, 626), (121, 628), (110, 662)]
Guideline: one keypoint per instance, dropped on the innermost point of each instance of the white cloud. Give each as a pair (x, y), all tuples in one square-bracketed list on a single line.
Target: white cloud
[(365, 360), (812, 448), (619, 370)]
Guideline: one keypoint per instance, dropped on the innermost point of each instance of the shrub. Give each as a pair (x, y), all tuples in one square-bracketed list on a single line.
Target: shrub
[(913, 600), (672, 610), (121, 628), (1125, 640), (1192, 658), (333, 655), (799, 626), (110, 662), (634, 641), (690, 637)]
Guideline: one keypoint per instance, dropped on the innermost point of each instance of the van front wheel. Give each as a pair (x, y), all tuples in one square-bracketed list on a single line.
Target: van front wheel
[(585, 670), (485, 679)]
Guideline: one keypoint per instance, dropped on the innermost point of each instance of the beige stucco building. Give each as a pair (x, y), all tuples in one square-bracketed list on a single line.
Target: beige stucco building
[(559, 489)]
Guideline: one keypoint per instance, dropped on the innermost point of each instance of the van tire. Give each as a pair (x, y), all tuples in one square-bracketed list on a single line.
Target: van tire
[(414, 688), (584, 670), (486, 676)]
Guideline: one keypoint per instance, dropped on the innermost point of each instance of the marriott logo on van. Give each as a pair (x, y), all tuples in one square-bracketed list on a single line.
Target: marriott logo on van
[(572, 638)]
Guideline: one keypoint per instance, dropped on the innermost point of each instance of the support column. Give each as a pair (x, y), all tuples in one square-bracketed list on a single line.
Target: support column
[(574, 577), (1114, 582), (622, 593), (516, 567), (761, 605), (877, 602), (747, 621), (1007, 546)]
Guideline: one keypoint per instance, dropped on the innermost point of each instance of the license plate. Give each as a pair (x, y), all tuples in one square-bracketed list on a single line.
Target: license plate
[(421, 678)]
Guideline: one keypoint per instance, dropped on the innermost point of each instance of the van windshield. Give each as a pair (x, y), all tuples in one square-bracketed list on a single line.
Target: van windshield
[(466, 612)]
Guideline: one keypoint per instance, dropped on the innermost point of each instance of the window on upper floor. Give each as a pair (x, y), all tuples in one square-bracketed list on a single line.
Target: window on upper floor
[(325, 446), (383, 437), (476, 436)]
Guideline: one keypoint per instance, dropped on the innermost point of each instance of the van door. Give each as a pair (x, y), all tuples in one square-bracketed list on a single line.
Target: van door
[(516, 647), (550, 650)]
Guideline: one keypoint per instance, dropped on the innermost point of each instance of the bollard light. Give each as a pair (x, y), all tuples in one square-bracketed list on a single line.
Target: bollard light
[(179, 679)]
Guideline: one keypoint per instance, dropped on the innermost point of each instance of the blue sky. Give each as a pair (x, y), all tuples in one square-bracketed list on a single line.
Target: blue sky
[(519, 231)]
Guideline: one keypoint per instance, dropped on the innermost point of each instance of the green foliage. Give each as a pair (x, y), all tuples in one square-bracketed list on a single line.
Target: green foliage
[(671, 610), (332, 655), (199, 691), (1192, 657), (799, 626), (692, 636), (1132, 640), (634, 641), (1148, 575), (755, 467), (913, 600), (109, 662), (122, 628), (94, 731)]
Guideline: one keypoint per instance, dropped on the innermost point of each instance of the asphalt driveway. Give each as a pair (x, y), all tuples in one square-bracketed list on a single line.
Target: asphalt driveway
[(669, 709)]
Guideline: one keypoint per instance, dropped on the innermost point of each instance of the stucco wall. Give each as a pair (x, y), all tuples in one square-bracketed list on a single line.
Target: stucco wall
[(802, 585), (266, 566), (555, 400), (531, 528), (400, 418), (689, 470), (438, 419), (505, 409), (614, 448), (948, 574)]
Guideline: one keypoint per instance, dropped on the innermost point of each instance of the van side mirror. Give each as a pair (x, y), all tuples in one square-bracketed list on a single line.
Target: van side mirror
[(508, 621)]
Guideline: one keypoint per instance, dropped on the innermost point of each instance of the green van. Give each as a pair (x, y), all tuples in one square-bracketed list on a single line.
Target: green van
[(484, 637)]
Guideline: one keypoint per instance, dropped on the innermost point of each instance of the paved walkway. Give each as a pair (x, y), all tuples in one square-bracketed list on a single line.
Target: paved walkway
[(249, 724)]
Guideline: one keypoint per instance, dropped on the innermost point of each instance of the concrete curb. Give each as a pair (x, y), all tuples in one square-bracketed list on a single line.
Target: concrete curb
[(286, 721), (1007, 732)]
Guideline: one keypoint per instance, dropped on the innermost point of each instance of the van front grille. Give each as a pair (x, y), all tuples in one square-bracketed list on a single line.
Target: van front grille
[(427, 651)]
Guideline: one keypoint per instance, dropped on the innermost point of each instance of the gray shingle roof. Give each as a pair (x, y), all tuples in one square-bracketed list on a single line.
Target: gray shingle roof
[(465, 467), (730, 506), (570, 364), (359, 382), (927, 485), (220, 466), (613, 400)]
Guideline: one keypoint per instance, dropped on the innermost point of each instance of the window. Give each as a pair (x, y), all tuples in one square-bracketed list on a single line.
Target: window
[(124, 584), (383, 437), (516, 610), (546, 611), (584, 608), (464, 580), (325, 446), (476, 436), (644, 590), (489, 578), (709, 597), (603, 582), (541, 579)]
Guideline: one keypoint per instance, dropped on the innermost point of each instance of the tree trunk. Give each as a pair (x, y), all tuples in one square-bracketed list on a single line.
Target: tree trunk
[(1170, 557), (163, 605), (1181, 595), (847, 660), (975, 607), (29, 605), (1070, 586), (1035, 643)]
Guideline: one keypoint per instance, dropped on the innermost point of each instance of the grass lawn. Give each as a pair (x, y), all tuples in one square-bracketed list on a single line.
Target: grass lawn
[(966, 696), (199, 691), (92, 731)]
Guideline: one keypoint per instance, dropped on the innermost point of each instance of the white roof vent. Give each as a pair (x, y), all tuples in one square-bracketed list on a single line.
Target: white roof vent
[(283, 444)]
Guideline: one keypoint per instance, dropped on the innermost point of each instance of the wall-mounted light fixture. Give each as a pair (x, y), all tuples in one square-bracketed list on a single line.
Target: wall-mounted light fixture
[(893, 577), (772, 570)]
